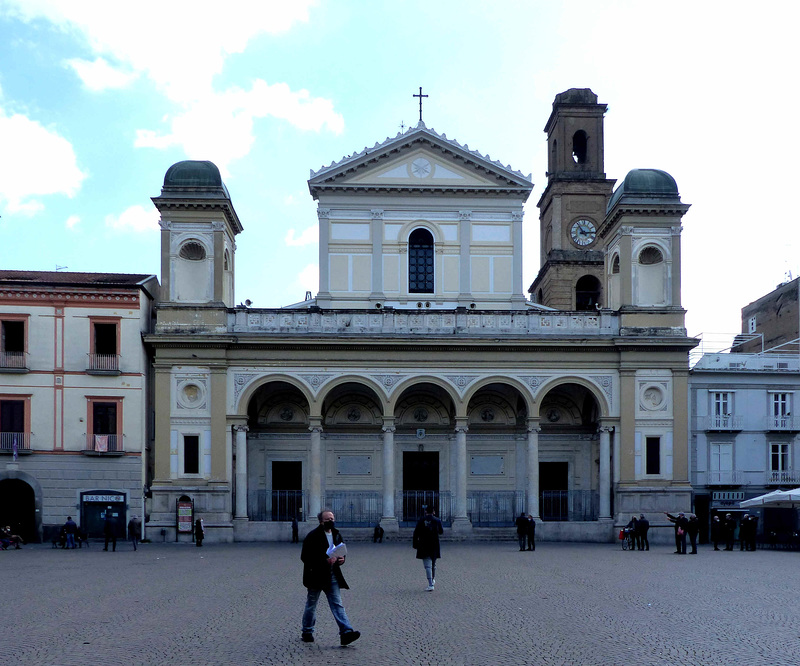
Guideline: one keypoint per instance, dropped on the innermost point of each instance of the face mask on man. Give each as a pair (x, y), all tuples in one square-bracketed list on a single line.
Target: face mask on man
[(328, 525)]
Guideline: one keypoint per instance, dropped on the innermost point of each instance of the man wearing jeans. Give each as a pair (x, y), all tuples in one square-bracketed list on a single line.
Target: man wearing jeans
[(322, 573)]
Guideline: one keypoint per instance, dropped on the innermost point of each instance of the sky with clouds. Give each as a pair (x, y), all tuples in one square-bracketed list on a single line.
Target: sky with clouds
[(98, 99)]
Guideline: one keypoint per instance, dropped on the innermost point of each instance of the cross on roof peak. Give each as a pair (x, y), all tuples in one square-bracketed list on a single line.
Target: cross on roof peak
[(420, 95)]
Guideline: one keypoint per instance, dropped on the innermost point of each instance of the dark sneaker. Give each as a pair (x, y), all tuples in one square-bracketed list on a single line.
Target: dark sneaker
[(350, 636), (307, 638)]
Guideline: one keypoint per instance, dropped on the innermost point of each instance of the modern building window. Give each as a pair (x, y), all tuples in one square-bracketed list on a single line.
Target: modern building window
[(721, 409), (779, 457), (721, 463), (420, 262), (191, 454), (104, 346), (751, 325), (105, 415), (12, 343), (652, 455), (780, 404), (12, 424)]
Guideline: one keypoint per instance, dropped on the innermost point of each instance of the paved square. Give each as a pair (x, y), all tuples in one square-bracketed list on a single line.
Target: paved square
[(242, 603)]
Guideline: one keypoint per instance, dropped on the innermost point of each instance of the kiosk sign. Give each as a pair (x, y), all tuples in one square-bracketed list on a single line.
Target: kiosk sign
[(185, 511)]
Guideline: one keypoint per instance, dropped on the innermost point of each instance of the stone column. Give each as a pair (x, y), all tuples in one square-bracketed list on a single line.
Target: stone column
[(315, 491), (605, 472), (532, 499), (388, 519), (241, 472), (460, 521)]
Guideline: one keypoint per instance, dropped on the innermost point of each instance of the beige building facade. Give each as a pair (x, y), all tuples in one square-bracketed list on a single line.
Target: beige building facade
[(420, 375)]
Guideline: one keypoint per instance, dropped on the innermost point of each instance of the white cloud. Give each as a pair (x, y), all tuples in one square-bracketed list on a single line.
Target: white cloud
[(98, 75), (232, 113), (135, 219), (184, 49), (308, 279), (24, 175), (308, 236), (72, 222)]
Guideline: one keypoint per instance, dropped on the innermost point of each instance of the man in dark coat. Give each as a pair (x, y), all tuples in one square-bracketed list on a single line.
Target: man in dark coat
[(522, 529), (426, 541), (110, 530), (531, 533), (692, 528), (716, 531), (71, 528), (643, 527), (729, 528), (322, 573), (681, 523)]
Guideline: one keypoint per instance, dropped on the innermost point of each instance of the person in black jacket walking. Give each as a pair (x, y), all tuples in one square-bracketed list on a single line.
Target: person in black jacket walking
[(426, 541), (323, 573), (522, 529), (643, 527)]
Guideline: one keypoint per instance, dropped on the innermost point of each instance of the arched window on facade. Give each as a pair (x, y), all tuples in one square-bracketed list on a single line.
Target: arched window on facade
[(580, 145), (420, 262), (587, 293)]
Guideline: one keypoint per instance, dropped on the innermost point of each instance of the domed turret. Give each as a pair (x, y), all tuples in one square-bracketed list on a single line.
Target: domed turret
[(195, 175), (651, 184)]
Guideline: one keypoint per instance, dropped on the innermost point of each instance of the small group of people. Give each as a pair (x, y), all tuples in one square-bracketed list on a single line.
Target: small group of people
[(725, 531), (526, 531), (638, 529), (684, 526), (8, 538)]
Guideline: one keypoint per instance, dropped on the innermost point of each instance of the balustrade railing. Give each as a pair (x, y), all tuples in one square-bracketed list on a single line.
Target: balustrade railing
[(104, 443), (103, 362), (788, 477), (13, 360), (725, 478), (9, 441)]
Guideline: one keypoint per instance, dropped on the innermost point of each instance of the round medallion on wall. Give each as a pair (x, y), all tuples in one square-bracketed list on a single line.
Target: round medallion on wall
[(190, 395), (421, 168), (652, 398)]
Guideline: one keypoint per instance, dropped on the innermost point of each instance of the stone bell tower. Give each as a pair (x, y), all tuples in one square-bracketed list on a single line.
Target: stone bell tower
[(573, 205)]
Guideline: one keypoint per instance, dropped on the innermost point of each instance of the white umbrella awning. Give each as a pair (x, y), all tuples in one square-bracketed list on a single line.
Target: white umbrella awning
[(777, 499)]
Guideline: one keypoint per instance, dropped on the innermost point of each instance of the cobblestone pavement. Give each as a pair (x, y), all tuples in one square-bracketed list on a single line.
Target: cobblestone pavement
[(242, 603)]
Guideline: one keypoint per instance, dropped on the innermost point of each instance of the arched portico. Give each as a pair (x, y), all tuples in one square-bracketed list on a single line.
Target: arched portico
[(21, 504), (574, 451)]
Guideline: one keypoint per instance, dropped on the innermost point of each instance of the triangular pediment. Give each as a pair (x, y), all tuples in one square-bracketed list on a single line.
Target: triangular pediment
[(419, 159)]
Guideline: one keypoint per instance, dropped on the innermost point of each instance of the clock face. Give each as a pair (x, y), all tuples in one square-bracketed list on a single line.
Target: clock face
[(583, 232)]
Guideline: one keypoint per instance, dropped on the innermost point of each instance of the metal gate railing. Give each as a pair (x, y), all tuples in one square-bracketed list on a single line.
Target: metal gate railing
[(574, 505), (414, 503), (488, 508), (355, 508), (276, 505)]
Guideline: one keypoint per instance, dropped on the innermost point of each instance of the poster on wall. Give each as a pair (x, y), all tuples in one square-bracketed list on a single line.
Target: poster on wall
[(185, 511)]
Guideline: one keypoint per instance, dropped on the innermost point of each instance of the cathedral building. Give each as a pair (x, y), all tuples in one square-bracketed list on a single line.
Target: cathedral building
[(420, 374)]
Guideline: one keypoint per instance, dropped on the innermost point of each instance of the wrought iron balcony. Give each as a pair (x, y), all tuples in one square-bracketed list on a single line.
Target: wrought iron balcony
[(726, 478), (784, 423), (103, 364), (103, 444), (15, 441), (787, 477), (726, 422), (13, 361)]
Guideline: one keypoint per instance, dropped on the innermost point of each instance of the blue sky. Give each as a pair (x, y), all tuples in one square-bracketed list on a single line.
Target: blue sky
[(98, 99)]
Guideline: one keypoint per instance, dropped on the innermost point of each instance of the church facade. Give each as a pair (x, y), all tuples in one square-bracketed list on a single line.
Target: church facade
[(420, 375)]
